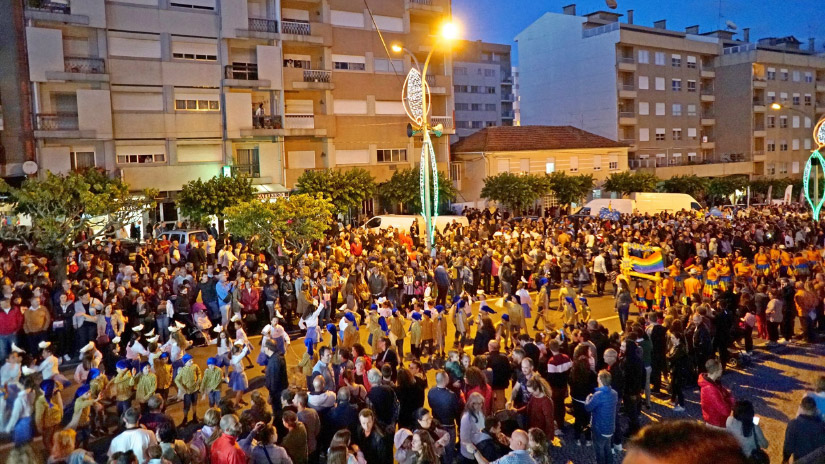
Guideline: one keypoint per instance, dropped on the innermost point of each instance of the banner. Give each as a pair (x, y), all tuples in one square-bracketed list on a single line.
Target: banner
[(770, 194), (788, 194), (607, 213), (649, 265)]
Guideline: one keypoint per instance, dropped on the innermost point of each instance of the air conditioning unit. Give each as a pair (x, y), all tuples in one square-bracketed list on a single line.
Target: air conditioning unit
[(704, 139)]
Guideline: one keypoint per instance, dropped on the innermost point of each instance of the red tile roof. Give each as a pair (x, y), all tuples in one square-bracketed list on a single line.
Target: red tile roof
[(521, 138)]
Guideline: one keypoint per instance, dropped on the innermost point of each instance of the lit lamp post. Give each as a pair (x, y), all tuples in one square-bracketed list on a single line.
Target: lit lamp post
[(415, 96), (815, 161)]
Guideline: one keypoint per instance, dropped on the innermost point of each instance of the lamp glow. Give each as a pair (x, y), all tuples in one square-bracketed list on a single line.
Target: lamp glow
[(776, 106), (397, 48), (449, 31)]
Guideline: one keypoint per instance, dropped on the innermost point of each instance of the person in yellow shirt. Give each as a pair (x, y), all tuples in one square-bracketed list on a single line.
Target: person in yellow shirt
[(211, 382), (123, 384), (762, 261), (785, 262), (668, 289), (427, 332), (163, 372), (147, 384), (188, 382), (725, 274), (800, 266), (650, 296), (81, 422), (48, 411), (398, 331), (743, 269), (415, 335), (693, 288), (814, 257), (711, 281)]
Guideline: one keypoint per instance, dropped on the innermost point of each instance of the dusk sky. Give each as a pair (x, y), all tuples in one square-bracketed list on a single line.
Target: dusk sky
[(500, 21)]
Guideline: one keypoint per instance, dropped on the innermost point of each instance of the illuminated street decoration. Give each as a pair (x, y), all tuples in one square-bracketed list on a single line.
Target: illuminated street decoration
[(816, 157)]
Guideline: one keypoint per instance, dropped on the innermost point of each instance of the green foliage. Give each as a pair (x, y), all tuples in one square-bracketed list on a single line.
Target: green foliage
[(404, 188), (514, 191), (295, 222), (198, 200), (719, 188), (346, 189), (570, 189), (63, 206), (628, 182), (693, 185)]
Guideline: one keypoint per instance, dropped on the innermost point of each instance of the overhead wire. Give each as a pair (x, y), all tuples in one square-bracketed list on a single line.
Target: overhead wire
[(383, 42)]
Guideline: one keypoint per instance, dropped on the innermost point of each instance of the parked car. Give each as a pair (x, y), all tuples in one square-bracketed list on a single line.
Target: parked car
[(184, 238)]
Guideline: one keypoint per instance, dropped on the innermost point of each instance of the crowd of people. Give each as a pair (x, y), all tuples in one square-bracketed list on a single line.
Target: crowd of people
[(375, 309)]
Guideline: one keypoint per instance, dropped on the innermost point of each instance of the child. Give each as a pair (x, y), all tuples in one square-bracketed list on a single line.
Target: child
[(440, 330), (48, 411), (373, 329), (211, 382), (49, 365), (503, 331), (237, 379), (583, 309), (308, 361), (309, 321), (461, 322), (176, 346), (224, 350), (415, 335), (202, 321), (453, 367), (427, 333), (163, 373), (240, 336), (10, 381), (147, 384), (349, 333), (398, 332), (123, 384), (97, 385), (188, 382), (80, 418), (97, 356)]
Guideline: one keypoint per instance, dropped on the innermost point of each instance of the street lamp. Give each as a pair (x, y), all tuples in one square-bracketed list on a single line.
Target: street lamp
[(415, 95)]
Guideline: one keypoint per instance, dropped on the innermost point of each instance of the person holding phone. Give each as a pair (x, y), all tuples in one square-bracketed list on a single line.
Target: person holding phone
[(744, 425)]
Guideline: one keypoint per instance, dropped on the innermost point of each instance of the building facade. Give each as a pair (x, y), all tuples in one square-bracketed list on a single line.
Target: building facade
[(533, 150), (662, 92), (483, 87), (165, 91)]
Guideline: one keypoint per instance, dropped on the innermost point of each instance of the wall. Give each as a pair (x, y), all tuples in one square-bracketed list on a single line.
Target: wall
[(734, 109)]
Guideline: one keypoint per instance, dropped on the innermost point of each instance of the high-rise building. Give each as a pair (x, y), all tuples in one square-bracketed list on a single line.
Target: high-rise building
[(517, 95), (161, 92), (483, 87), (682, 100)]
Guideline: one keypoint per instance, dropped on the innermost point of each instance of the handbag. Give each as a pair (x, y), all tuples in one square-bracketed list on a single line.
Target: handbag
[(758, 456)]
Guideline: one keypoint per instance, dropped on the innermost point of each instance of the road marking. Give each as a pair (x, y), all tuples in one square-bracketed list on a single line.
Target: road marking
[(607, 318)]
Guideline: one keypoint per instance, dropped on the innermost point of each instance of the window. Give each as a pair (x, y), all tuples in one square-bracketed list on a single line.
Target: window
[(770, 169), (771, 74), (783, 168), (660, 58), (194, 51), (692, 157), (808, 99), (807, 144), (455, 171), (691, 62), (795, 144), (675, 158), (490, 124), (771, 97), (491, 90), (795, 167), (460, 71), (809, 77), (644, 56), (194, 4), (796, 76), (247, 162), (574, 164), (783, 145), (475, 107), (660, 109), (550, 166), (644, 134), (676, 61), (597, 162), (676, 85), (644, 108), (643, 83), (349, 66), (460, 88), (82, 160), (770, 145), (477, 124), (462, 124), (613, 165), (141, 159), (474, 89), (783, 122), (524, 165), (783, 97), (692, 133), (691, 110), (394, 155), (783, 74), (389, 66), (660, 133), (795, 99), (462, 107), (807, 122), (490, 107), (771, 122), (795, 122), (660, 83), (677, 134), (691, 86), (489, 73), (198, 105)]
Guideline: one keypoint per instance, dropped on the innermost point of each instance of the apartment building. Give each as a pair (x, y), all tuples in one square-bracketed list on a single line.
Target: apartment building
[(649, 87), (517, 95), (483, 87), (161, 92), (751, 77)]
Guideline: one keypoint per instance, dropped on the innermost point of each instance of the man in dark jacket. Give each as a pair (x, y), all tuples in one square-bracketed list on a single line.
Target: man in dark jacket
[(502, 372), (804, 434), (373, 442), (197, 256), (275, 375), (344, 415), (487, 271), (658, 337)]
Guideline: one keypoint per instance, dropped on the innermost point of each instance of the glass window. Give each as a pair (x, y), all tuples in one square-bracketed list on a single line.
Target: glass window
[(394, 155), (691, 86), (677, 109), (644, 56), (676, 85), (676, 61), (82, 160), (660, 58), (677, 134)]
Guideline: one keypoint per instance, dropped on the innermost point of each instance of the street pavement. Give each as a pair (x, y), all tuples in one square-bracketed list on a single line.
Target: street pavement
[(775, 382)]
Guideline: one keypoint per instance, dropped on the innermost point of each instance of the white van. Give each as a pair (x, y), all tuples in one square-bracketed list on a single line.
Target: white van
[(404, 222), (592, 208), (654, 203)]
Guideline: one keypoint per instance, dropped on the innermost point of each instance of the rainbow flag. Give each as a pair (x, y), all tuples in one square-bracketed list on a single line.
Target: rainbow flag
[(649, 265)]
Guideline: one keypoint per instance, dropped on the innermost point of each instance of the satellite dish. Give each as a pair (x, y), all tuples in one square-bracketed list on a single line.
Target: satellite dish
[(30, 167), (731, 25), (611, 4)]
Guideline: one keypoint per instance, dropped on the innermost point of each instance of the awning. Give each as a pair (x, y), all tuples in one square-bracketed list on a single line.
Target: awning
[(270, 191)]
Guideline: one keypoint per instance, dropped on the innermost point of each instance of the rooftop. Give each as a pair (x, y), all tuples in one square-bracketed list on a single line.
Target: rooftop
[(523, 138)]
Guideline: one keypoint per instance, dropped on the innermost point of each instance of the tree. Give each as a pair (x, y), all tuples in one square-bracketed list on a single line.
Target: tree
[(693, 185), (404, 188), (628, 182), (570, 189), (515, 191), (720, 188), (198, 200), (72, 210), (346, 189), (295, 222)]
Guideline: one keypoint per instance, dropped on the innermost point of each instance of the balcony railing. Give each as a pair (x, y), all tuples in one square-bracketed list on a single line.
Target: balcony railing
[(706, 91), (267, 122), (422, 2), (507, 97), (508, 114), (759, 127), (445, 121), (303, 64), (758, 152), (289, 26), (630, 141), (79, 64), (249, 170), (56, 121), (627, 59), (299, 121), (317, 75), (708, 115), (627, 114), (758, 102), (627, 87), (431, 80), (263, 25), (45, 5), (242, 71)]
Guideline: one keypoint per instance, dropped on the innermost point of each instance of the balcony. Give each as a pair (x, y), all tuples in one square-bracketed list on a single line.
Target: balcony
[(708, 118), (627, 91), (424, 7), (59, 126), (265, 126), (507, 97), (759, 82), (759, 130), (627, 118), (508, 115), (707, 143), (318, 79), (445, 121), (820, 86), (758, 155), (263, 25), (248, 170), (243, 75), (630, 142), (706, 95), (438, 84), (303, 124), (80, 69), (707, 169), (44, 10), (707, 72), (305, 33), (626, 63), (295, 27), (759, 105)]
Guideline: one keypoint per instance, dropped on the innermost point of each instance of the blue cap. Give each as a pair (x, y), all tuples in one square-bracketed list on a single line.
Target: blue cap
[(122, 364), (456, 298), (416, 316), (383, 324), (48, 387), (142, 365), (349, 316), (186, 358), (82, 390), (94, 373), (543, 281), (461, 304), (394, 311), (428, 313), (488, 309), (211, 361), (373, 307), (309, 343), (164, 355), (505, 317), (439, 308), (330, 328)]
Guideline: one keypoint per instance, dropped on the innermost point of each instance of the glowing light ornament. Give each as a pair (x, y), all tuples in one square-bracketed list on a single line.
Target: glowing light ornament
[(816, 157)]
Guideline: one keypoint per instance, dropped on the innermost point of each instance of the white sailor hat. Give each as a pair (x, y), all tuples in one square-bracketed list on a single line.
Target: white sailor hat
[(236, 318), (138, 328), (88, 347), (180, 324), (16, 348), (152, 339), (217, 329), (44, 344)]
